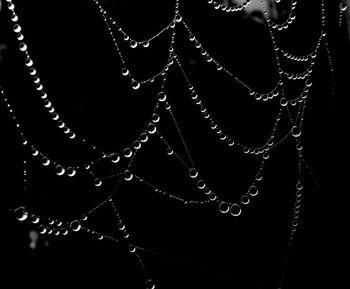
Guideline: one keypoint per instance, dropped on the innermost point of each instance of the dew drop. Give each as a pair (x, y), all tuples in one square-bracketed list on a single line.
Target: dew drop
[(144, 137), (75, 226), (149, 284), (151, 128), (235, 210), (100, 237), (128, 176), (42, 229), (127, 152), (145, 43), (230, 142), (125, 71), (34, 219), (17, 28), (21, 214), (136, 144), (135, 84), (60, 170), (35, 152), (253, 191), (155, 118), (22, 46), (343, 6), (178, 18), (169, 151), (131, 248), (296, 132), (193, 173), (224, 207), (97, 182), (283, 101), (14, 17), (133, 44), (200, 184), (71, 172), (299, 186), (29, 62), (245, 199), (115, 158), (161, 96)]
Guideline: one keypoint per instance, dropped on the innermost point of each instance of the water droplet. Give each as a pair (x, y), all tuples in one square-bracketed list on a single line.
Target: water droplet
[(224, 207), (230, 142), (32, 71), (193, 173), (144, 137), (212, 196), (245, 199), (128, 176), (343, 6), (191, 37), (35, 152), (20, 36), (71, 172), (86, 166), (75, 225), (34, 219), (60, 170), (64, 232), (115, 158), (299, 186), (308, 83), (296, 132), (99, 236), (133, 44), (127, 152), (235, 210), (42, 229), (17, 28), (21, 214), (125, 71), (136, 144), (149, 284), (253, 190), (14, 17), (145, 43), (155, 118), (71, 135), (178, 18), (151, 128), (200, 184), (161, 96), (97, 182), (28, 62), (266, 156), (22, 46), (131, 248), (169, 151), (121, 226), (135, 84), (283, 101)]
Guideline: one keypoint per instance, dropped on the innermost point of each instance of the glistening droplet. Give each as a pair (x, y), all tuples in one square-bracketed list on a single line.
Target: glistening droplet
[(21, 213), (75, 225)]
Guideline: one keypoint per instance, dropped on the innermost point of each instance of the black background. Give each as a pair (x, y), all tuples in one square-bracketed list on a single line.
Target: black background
[(194, 247)]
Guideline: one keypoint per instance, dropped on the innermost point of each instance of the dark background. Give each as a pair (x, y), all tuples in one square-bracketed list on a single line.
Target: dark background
[(194, 247)]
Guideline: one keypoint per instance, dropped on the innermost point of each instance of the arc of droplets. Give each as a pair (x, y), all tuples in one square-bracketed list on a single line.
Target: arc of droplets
[(290, 19), (229, 8), (224, 137), (47, 104), (274, 92), (135, 84)]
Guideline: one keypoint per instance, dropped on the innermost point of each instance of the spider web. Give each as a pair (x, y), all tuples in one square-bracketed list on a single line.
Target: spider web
[(144, 200)]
